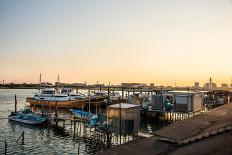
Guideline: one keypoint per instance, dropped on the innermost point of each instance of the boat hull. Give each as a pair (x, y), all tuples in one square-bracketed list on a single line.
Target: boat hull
[(77, 104), (95, 102), (31, 122)]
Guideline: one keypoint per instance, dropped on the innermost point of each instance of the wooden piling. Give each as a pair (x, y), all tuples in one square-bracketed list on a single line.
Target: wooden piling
[(23, 138), (81, 117), (108, 99), (56, 114), (74, 126), (42, 107), (5, 147), (15, 103)]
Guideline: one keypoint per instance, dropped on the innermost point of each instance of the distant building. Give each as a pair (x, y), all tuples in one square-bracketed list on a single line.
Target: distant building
[(210, 85), (134, 85), (196, 85), (152, 85), (225, 86), (207, 86), (79, 84)]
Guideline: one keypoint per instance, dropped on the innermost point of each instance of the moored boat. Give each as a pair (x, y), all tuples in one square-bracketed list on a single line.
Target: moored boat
[(49, 98), (27, 116)]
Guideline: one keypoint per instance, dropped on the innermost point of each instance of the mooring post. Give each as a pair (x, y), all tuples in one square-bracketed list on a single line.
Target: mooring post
[(108, 101), (56, 114), (5, 147), (23, 138), (42, 107), (120, 121), (15, 103), (63, 123), (34, 107), (74, 126), (81, 117), (122, 93)]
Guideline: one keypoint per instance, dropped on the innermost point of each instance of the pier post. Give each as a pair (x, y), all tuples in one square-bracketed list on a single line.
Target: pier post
[(108, 101), (89, 90), (74, 126), (120, 121), (81, 117), (5, 147), (63, 123), (34, 107), (42, 107), (23, 138), (15, 103), (122, 93), (56, 114)]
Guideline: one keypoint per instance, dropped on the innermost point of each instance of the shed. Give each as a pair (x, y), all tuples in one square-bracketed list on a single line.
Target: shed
[(188, 102), (130, 118)]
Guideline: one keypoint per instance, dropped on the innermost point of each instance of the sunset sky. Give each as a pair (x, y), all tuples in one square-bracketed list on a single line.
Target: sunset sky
[(150, 41)]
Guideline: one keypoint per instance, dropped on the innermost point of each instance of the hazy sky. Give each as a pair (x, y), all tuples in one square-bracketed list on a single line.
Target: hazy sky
[(159, 41)]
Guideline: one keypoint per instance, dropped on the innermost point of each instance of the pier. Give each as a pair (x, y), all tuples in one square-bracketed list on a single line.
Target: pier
[(207, 133)]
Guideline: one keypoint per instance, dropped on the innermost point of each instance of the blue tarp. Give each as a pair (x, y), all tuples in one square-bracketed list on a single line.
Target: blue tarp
[(83, 113)]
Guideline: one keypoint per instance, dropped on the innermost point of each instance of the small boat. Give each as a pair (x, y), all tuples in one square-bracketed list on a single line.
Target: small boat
[(87, 116), (96, 99), (27, 116), (49, 98), (81, 114)]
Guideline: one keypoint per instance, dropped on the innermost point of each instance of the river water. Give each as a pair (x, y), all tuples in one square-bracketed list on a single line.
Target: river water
[(40, 139)]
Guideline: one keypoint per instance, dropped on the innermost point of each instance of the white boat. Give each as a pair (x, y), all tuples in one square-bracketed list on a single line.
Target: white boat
[(49, 97)]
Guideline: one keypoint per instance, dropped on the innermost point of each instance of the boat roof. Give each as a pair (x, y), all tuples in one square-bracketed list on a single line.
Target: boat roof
[(124, 106)]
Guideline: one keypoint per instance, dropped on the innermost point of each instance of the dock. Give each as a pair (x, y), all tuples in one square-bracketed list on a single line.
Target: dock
[(207, 133)]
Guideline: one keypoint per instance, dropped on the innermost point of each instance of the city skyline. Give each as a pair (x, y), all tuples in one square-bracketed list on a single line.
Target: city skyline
[(165, 43)]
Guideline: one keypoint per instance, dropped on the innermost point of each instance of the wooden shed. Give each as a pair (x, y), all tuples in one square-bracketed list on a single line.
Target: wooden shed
[(129, 115), (188, 102)]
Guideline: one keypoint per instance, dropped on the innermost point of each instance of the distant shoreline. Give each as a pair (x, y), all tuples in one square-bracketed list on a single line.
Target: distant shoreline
[(18, 88)]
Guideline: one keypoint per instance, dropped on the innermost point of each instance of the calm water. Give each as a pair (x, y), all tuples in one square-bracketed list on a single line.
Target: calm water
[(40, 139)]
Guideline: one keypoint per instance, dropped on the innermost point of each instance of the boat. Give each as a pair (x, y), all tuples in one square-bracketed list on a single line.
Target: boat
[(86, 116), (27, 116), (49, 98), (81, 114), (72, 95), (96, 99)]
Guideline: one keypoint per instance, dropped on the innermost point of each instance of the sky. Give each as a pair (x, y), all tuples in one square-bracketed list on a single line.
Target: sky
[(149, 41)]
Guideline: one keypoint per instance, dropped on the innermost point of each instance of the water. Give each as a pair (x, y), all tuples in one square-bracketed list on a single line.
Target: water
[(40, 139)]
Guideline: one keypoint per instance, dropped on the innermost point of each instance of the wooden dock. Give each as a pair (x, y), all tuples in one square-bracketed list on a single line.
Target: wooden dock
[(207, 133)]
